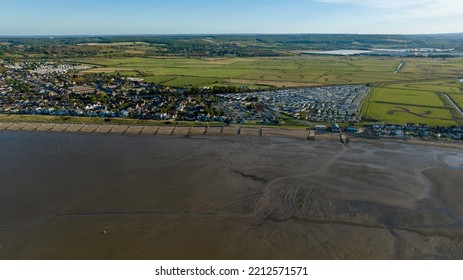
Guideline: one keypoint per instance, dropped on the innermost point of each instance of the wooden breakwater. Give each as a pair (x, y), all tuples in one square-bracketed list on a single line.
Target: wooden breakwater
[(186, 131)]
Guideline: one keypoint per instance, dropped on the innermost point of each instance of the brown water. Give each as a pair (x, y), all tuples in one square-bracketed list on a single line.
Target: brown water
[(89, 196)]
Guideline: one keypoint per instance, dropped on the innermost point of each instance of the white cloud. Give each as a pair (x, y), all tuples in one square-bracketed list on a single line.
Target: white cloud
[(381, 3), (410, 8)]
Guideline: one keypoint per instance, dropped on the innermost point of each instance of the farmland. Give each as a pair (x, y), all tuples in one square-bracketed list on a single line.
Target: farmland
[(302, 70)]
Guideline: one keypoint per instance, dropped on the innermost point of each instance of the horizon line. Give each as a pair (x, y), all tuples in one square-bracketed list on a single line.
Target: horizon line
[(220, 34)]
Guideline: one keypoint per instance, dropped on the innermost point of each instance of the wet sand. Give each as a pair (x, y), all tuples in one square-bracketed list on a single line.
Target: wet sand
[(157, 194)]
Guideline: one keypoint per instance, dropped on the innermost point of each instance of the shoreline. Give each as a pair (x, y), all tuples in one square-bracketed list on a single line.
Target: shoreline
[(186, 131), (91, 196), (137, 129)]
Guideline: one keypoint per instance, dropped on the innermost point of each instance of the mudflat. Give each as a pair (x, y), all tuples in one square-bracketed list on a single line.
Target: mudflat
[(111, 196)]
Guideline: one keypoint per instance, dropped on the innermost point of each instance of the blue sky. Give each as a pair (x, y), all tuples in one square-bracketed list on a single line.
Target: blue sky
[(88, 17)]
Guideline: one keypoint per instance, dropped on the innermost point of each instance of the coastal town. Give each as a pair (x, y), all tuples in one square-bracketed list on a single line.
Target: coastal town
[(46, 88), (58, 89)]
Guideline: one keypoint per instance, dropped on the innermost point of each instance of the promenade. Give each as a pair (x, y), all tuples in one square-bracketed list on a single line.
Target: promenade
[(161, 130)]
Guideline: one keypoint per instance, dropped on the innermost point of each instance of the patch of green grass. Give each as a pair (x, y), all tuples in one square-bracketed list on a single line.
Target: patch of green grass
[(66, 119), (192, 81), (404, 95), (458, 99), (410, 114), (96, 120), (161, 79), (417, 102)]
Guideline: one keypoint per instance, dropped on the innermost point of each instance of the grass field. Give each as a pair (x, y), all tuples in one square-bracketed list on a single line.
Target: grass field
[(279, 72), (401, 94), (401, 114), (445, 85), (458, 99), (417, 102)]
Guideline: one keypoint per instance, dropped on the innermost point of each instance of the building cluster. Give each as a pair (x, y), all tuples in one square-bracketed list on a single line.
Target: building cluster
[(49, 89), (57, 89), (317, 104), (42, 88), (415, 130), (45, 68)]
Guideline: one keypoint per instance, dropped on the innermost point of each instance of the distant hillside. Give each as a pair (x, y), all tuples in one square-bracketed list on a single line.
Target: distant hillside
[(351, 41), (254, 44)]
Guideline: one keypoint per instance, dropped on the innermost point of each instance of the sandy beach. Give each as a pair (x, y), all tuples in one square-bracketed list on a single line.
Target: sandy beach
[(115, 192), (155, 130)]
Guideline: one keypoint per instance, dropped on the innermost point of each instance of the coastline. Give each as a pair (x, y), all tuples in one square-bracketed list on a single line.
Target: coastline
[(180, 130), (193, 130), (88, 195)]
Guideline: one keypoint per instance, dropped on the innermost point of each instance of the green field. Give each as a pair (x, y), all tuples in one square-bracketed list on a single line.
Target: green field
[(458, 99), (414, 102), (282, 71), (400, 114), (401, 94)]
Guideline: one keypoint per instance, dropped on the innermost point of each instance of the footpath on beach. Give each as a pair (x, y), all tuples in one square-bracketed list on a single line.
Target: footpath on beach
[(187, 131), (164, 130)]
